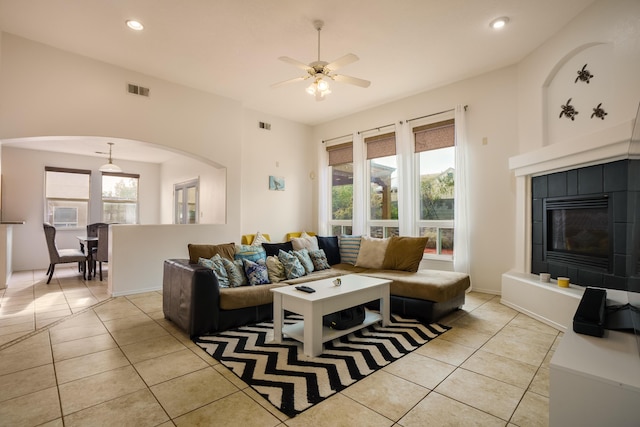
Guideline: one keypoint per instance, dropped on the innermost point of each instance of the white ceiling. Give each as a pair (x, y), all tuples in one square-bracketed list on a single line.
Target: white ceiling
[(231, 47)]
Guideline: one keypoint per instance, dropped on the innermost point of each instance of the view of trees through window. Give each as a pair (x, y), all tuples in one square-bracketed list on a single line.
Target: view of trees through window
[(120, 198), (437, 185)]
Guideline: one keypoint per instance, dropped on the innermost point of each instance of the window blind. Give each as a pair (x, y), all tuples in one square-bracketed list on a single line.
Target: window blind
[(340, 154), (434, 136), (381, 145)]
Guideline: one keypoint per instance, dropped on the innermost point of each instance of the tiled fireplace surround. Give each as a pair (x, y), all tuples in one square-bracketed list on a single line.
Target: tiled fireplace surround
[(521, 289)]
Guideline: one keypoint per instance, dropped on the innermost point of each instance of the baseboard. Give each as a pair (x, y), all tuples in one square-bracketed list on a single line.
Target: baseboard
[(137, 291)]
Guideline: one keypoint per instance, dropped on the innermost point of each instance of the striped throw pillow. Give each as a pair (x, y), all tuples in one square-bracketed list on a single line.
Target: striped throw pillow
[(349, 248)]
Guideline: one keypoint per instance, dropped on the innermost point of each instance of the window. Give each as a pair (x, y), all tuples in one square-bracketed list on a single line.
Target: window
[(435, 157), (383, 185), (120, 198), (341, 170), (185, 201), (67, 197)]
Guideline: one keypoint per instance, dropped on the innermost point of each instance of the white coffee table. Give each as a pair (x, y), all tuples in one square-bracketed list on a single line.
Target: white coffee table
[(355, 289)]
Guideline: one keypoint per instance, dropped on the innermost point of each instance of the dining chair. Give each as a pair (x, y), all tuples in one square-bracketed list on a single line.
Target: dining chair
[(102, 254), (61, 256), (92, 231)]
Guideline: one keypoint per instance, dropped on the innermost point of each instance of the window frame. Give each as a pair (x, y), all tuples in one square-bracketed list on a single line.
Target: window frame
[(137, 200), (386, 224), (344, 224), (49, 216), (184, 186), (437, 224)]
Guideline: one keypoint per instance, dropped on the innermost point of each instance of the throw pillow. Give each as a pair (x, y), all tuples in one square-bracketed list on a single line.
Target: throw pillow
[(319, 260), (273, 249), (215, 263), (250, 252), (197, 251), (305, 242), (330, 247), (404, 253), (292, 267), (372, 251), (349, 248), (256, 272), (305, 260), (275, 269), (235, 272), (259, 239)]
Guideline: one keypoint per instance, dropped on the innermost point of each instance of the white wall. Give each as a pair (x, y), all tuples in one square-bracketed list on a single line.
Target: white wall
[(284, 151), (491, 114), (49, 92), (23, 199), (212, 181), (613, 22)]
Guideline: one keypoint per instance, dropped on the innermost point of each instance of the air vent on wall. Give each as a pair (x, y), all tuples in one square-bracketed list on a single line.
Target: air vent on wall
[(137, 90), (263, 125)]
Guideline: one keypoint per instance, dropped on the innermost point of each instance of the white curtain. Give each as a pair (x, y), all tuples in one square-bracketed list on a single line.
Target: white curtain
[(359, 195), (323, 185), (406, 192), (461, 222)]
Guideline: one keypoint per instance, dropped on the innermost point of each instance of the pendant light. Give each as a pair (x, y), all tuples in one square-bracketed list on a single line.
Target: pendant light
[(110, 167)]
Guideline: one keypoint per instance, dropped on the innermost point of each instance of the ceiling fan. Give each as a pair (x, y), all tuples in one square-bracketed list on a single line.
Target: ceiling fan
[(321, 71)]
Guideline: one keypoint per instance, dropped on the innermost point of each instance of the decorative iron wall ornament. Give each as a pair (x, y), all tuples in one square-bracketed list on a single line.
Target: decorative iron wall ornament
[(584, 75), (568, 111), (599, 112)]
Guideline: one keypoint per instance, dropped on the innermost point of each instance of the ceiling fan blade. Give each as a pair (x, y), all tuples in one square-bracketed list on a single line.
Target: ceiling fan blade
[(351, 80), (286, 82), (341, 62), (295, 63)]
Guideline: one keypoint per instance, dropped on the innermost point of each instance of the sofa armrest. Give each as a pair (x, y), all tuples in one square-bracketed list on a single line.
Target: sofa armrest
[(190, 296)]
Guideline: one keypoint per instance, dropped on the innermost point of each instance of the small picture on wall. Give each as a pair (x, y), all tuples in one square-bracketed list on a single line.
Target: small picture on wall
[(276, 183)]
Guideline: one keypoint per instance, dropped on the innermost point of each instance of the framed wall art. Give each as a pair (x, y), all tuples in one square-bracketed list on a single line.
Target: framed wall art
[(276, 183)]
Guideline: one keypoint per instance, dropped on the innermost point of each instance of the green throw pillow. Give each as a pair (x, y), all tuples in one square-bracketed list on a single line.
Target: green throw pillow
[(292, 266)]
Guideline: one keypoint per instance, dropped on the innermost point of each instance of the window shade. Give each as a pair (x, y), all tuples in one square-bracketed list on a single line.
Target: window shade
[(434, 136), (381, 145), (340, 154)]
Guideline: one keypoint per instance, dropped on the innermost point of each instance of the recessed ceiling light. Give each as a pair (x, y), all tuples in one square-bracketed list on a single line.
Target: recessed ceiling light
[(135, 25), (499, 23)]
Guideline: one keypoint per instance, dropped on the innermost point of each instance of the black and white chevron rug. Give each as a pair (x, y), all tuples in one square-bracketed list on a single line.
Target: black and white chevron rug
[(293, 382)]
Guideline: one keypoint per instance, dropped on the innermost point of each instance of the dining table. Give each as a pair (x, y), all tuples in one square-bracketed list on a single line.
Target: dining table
[(90, 242)]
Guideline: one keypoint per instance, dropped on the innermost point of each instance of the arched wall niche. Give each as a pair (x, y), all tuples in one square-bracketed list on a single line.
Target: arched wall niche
[(579, 83)]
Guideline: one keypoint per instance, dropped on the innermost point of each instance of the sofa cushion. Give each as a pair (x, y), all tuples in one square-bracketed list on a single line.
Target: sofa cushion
[(371, 253), (275, 269), (349, 248), (305, 260), (235, 271), (305, 242), (215, 263), (319, 259), (247, 296), (430, 285), (259, 239), (404, 253), (272, 249), (196, 251), (292, 266), (329, 245), (256, 272), (250, 252)]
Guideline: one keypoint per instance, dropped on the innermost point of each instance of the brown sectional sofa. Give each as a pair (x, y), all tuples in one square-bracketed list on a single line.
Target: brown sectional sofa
[(193, 300)]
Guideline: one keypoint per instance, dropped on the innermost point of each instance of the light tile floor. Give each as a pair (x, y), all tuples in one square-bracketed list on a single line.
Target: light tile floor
[(119, 362)]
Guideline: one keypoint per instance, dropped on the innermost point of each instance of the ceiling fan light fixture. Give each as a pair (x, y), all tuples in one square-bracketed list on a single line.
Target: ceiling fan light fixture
[(319, 88), (109, 166)]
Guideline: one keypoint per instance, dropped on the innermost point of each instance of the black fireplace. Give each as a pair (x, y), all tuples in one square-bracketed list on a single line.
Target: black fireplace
[(578, 232), (581, 227)]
